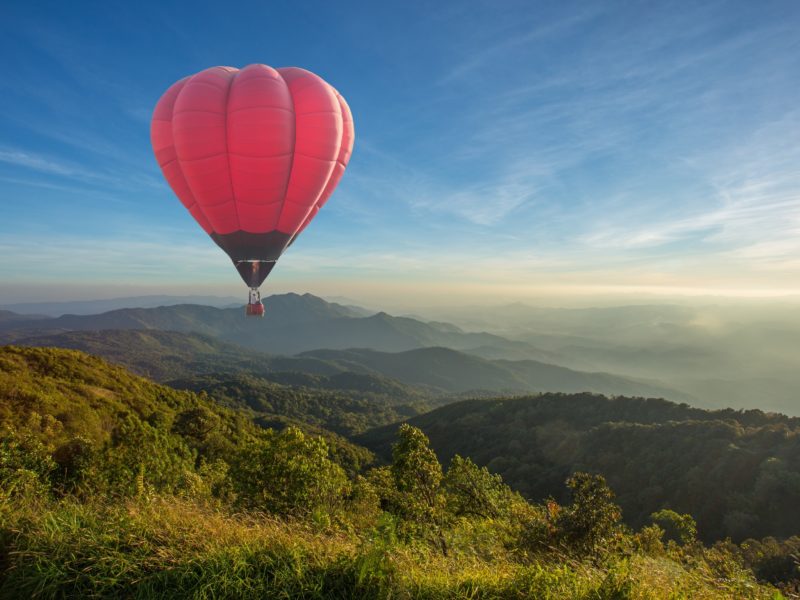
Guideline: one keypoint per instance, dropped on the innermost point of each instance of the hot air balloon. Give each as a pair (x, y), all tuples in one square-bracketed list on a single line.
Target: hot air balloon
[(253, 154)]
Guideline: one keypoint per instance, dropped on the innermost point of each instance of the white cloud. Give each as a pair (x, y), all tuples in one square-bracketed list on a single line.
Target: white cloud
[(41, 163), (754, 205), (127, 180), (483, 57)]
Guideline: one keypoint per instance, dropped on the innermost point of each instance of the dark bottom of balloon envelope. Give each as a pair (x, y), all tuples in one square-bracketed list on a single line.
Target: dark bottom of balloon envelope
[(253, 254), (254, 272), (243, 245)]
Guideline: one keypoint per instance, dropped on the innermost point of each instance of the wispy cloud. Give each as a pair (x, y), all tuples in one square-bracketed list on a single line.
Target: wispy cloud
[(509, 44), (67, 170), (388, 180), (42, 163), (620, 123), (121, 258), (752, 209)]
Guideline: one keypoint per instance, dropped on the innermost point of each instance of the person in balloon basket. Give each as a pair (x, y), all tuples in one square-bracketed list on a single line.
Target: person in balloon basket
[(254, 307)]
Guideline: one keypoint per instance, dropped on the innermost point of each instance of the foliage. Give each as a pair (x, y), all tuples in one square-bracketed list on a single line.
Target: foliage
[(772, 560), (677, 527), (590, 522), (736, 472), (416, 475), (140, 457), (25, 465), (289, 473), (343, 411), (196, 423), (473, 491), (157, 492)]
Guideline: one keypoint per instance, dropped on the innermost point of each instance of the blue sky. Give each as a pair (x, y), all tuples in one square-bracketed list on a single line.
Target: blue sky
[(503, 149)]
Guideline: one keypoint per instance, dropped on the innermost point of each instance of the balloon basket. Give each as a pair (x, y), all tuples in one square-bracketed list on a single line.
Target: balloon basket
[(254, 309)]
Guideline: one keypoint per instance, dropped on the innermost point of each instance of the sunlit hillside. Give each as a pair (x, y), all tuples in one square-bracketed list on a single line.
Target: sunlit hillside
[(113, 484)]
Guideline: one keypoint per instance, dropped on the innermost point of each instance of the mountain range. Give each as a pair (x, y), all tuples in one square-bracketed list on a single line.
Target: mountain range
[(292, 324), (433, 372), (91, 307), (712, 356)]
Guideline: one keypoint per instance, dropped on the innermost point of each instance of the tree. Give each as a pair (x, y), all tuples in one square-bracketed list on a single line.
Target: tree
[(417, 475), (678, 527), (290, 473), (139, 457), (590, 522), (475, 492), (195, 423), (25, 465), (76, 460)]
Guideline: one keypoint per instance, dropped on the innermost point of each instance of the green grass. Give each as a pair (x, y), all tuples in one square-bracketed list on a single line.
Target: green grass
[(173, 548)]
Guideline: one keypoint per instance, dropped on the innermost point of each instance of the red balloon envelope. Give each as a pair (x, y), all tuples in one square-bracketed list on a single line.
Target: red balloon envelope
[(253, 154)]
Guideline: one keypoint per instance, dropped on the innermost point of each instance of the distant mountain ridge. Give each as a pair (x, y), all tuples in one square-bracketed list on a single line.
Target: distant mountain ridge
[(296, 324), (292, 324), (91, 307), (6, 317), (434, 371), (459, 372)]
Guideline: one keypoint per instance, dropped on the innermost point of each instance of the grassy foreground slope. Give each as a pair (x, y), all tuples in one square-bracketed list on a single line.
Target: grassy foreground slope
[(112, 486), (172, 548)]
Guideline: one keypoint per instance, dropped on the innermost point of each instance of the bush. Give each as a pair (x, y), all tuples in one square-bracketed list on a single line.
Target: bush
[(591, 522), (289, 473), (678, 528), (474, 492), (142, 459), (416, 475), (26, 465)]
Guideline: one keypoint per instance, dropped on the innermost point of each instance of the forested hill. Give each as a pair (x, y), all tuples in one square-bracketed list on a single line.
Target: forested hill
[(68, 397), (166, 355), (736, 472), (454, 371), (114, 486)]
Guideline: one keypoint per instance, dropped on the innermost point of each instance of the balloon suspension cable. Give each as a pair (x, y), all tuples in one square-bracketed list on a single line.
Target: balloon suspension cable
[(255, 296)]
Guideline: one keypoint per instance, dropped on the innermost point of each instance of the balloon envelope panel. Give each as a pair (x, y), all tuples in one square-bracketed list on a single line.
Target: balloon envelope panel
[(252, 154)]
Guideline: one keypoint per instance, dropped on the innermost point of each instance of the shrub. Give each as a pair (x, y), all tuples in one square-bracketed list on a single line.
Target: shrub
[(591, 521), (289, 473)]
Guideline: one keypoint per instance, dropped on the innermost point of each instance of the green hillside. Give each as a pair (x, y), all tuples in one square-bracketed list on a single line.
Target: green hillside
[(170, 355), (405, 376), (159, 355), (71, 399), (77, 394), (346, 410), (737, 472), (113, 486), (453, 371)]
